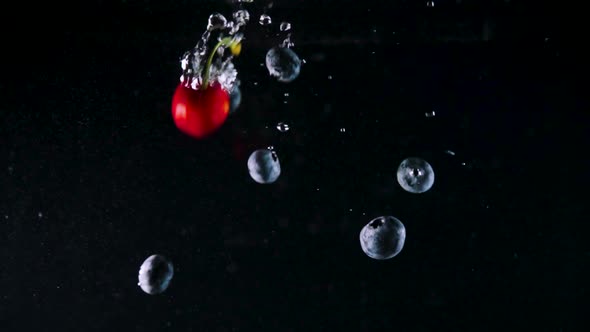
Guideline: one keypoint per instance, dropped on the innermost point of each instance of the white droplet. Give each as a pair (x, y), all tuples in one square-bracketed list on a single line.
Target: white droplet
[(329, 77), (265, 20), (40, 214), (430, 114), (342, 130), (285, 26), (282, 127), (286, 94), (271, 148), (449, 152), (430, 3)]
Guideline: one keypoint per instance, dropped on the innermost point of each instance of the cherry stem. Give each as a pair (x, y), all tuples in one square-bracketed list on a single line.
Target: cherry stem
[(223, 42)]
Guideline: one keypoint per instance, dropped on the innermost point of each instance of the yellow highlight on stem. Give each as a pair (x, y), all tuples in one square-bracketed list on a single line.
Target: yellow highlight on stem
[(235, 48)]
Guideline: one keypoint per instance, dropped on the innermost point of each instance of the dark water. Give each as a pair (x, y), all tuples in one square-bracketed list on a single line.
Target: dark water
[(96, 177)]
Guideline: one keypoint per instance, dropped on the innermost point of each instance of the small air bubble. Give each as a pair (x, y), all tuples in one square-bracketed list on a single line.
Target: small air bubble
[(286, 94), (40, 214), (282, 127), (329, 77), (430, 114), (285, 26), (430, 4), (342, 130), (270, 148), (265, 20), (449, 152)]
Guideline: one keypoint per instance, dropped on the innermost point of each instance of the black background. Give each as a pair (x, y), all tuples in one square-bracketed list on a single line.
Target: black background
[(95, 177)]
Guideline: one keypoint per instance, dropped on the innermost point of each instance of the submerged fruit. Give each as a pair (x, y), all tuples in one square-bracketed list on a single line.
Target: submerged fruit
[(199, 113)]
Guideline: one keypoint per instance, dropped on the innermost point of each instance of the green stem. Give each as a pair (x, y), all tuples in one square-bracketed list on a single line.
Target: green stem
[(223, 42)]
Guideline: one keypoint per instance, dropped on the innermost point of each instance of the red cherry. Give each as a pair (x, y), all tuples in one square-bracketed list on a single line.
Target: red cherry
[(200, 112)]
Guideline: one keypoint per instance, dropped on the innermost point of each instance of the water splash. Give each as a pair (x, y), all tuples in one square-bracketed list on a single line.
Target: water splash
[(222, 69)]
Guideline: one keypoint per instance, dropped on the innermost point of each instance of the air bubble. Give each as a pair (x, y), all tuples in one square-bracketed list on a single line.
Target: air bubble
[(282, 127), (265, 20), (216, 21), (285, 26), (430, 114), (241, 17)]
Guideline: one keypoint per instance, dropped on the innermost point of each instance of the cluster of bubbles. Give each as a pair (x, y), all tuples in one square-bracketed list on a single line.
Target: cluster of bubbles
[(222, 69)]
